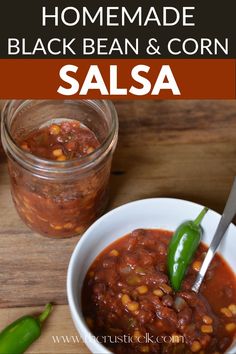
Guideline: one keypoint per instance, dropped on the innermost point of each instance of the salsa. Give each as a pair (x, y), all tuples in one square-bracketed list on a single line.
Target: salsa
[(61, 141), (130, 307), (60, 207)]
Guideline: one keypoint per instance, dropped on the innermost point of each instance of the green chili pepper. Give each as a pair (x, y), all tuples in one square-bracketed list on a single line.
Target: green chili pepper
[(19, 335), (182, 248)]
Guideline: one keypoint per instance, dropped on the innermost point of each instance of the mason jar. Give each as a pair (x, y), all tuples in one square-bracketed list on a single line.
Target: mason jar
[(59, 198)]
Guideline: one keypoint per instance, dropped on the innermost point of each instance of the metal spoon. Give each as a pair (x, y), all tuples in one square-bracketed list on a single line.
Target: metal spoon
[(227, 217)]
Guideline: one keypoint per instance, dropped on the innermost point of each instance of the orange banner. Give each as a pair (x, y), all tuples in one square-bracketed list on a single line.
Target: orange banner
[(118, 79)]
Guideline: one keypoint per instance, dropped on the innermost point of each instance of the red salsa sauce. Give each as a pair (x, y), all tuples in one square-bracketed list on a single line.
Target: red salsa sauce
[(127, 292), (60, 142), (60, 207)]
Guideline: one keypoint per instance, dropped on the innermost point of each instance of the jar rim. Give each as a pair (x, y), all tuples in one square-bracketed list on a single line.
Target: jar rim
[(30, 161)]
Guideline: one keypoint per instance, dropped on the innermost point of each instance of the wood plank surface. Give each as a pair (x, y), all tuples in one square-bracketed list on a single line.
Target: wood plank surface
[(182, 149), (59, 335)]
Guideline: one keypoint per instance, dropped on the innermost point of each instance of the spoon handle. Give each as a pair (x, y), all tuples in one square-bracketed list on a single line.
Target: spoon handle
[(227, 217)]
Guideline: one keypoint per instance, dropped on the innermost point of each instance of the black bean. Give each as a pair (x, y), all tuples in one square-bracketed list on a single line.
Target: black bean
[(167, 300), (184, 316)]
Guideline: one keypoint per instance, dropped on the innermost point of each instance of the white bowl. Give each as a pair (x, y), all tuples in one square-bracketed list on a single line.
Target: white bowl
[(162, 213)]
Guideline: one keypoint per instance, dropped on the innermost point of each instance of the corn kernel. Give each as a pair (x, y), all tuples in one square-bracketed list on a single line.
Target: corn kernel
[(166, 288), (175, 338), (133, 279), (133, 306), (125, 299), (68, 225), (61, 158), (79, 229), (196, 346), (114, 253), (226, 312), (25, 147), (158, 292), (232, 308), (57, 152), (196, 265), (144, 349), (54, 129), (56, 227), (89, 322), (137, 334), (90, 150), (230, 327), (114, 331), (143, 289), (206, 329), (207, 319)]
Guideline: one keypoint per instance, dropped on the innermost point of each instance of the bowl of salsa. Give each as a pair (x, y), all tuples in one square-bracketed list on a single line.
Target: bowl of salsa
[(119, 293)]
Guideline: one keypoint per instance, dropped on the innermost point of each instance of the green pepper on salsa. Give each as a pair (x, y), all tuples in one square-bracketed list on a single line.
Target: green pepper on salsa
[(182, 248)]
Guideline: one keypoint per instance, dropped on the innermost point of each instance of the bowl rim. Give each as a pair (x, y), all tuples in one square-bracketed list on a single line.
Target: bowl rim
[(74, 313)]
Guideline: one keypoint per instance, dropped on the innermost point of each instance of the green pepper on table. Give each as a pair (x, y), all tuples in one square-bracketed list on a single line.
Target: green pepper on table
[(182, 248), (19, 335)]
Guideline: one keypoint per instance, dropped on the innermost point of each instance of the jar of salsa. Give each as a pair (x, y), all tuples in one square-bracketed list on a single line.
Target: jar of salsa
[(59, 158)]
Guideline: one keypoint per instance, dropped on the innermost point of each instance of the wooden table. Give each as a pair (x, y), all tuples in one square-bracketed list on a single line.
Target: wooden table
[(182, 149)]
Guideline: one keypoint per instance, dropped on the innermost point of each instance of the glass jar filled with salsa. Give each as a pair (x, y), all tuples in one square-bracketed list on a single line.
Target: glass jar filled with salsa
[(59, 157)]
